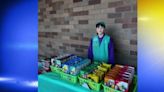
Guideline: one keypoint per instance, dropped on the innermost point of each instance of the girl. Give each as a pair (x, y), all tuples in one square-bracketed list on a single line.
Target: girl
[(101, 46)]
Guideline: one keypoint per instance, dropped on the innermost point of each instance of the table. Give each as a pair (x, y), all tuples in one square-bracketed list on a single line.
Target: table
[(51, 82)]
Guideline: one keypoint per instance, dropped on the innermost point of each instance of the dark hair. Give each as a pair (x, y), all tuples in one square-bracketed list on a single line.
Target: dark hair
[(102, 24)]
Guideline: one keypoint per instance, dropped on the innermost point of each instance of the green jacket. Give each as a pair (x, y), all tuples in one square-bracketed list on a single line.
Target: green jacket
[(100, 51)]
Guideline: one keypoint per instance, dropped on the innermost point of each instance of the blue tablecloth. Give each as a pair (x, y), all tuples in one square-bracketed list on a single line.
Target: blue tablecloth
[(51, 82)]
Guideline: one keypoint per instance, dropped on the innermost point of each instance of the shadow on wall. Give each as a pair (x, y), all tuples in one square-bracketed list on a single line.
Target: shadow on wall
[(121, 55)]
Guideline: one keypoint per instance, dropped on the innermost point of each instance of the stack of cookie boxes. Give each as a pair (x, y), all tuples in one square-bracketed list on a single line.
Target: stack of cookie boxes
[(119, 78)]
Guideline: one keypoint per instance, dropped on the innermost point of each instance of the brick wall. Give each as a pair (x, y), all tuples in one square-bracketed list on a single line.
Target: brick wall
[(66, 26)]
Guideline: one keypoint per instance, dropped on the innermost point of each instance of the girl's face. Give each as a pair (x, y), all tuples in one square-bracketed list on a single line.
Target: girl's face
[(100, 30)]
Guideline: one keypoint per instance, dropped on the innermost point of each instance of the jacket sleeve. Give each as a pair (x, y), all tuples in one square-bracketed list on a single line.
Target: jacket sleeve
[(111, 52), (90, 52)]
